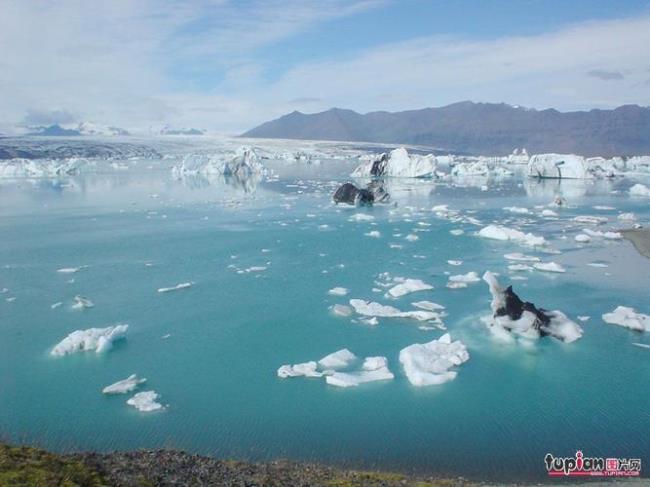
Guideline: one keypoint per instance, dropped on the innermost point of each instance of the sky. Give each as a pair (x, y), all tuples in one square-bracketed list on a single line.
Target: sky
[(229, 65)]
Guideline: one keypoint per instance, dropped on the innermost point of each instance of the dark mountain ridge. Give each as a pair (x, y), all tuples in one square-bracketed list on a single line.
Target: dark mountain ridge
[(477, 128)]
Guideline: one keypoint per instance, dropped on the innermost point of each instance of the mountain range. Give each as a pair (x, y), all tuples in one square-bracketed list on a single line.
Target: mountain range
[(477, 128)]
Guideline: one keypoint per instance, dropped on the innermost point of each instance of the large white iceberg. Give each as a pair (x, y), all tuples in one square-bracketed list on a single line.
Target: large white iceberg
[(512, 316), (558, 166), (431, 363), (373, 369), (242, 165), (629, 318), (639, 190), (398, 163), (97, 339)]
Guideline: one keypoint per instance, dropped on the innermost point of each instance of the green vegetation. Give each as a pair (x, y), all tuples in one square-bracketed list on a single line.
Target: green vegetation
[(26, 466)]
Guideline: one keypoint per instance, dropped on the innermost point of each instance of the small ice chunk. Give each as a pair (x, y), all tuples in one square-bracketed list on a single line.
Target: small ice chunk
[(431, 363), (341, 310), (584, 318), (499, 232), (582, 238), (373, 234), (641, 345), (517, 256), (306, 369), (468, 278), (373, 369), (338, 291), (361, 217), (98, 339), (517, 209), (337, 360), (628, 318), (367, 308), (407, 287), (411, 237), (456, 232), (428, 306), (125, 385), (81, 302), (182, 285), (549, 213), (639, 190), (145, 401), (627, 217), (455, 262), (56, 305), (549, 267), (591, 220), (519, 267), (70, 270)]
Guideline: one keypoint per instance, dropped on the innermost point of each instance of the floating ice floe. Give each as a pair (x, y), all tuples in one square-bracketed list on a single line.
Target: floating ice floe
[(519, 267), (582, 238), (512, 316), (549, 267), (428, 305), (56, 305), (341, 310), (81, 302), (361, 217), (517, 209), (461, 281), (499, 232), (373, 193), (242, 165), (398, 163), (373, 369), (641, 345), (339, 370), (431, 363), (629, 318), (124, 386), (639, 190), (371, 309), (408, 286), (338, 291), (145, 401), (519, 257), (455, 262), (606, 235), (182, 285), (373, 234), (97, 339), (558, 166), (411, 237), (590, 220), (71, 270), (627, 217)]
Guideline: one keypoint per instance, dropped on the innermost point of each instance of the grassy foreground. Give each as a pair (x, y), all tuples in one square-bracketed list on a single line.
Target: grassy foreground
[(28, 466)]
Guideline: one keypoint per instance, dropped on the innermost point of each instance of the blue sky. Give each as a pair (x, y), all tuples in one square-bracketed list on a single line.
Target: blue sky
[(229, 65)]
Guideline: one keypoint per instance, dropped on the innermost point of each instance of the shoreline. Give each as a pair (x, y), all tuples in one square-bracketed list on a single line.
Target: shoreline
[(26, 466), (640, 238)]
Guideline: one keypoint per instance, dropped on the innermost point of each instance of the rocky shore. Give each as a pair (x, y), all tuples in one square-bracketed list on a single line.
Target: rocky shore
[(27, 466)]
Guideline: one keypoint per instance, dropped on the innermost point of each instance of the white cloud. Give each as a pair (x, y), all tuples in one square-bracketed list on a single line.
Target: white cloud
[(201, 64)]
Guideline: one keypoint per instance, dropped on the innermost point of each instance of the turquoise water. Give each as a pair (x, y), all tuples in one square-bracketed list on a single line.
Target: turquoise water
[(230, 332)]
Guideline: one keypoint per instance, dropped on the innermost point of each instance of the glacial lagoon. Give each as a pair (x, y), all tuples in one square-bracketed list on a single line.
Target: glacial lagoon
[(261, 256)]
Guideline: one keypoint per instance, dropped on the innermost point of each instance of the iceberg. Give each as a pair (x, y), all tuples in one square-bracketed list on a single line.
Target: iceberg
[(145, 401), (398, 163), (337, 360), (519, 257), (639, 190), (549, 267), (81, 302), (367, 308), (407, 287), (338, 291), (123, 386), (98, 339), (511, 315), (306, 369), (373, 369), (628, 318), (499, 232), (182, 285), (558, 166), (431, 363)]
